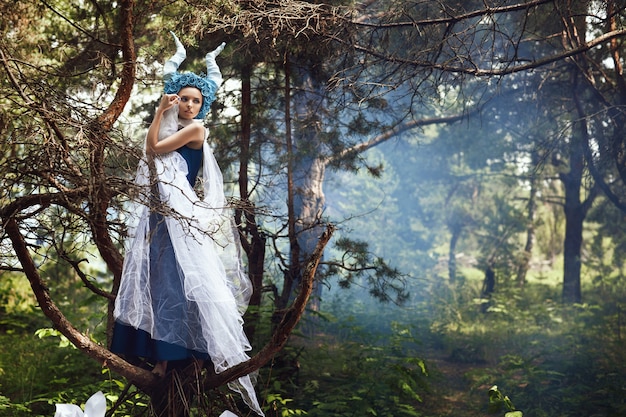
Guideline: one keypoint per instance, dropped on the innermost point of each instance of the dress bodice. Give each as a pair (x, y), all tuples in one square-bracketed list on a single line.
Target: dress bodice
[(193, 157)]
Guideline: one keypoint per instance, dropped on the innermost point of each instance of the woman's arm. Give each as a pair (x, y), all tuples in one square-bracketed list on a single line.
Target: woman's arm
[(192, 135)]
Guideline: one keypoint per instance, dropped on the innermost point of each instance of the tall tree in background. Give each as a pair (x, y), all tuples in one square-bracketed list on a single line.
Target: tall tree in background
[(598, 111)]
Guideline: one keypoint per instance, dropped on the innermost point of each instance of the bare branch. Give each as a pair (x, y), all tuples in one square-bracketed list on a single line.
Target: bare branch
[(23, 203), (142, 378), (394, 131), (100, 197), (83, 277), (482, 72), (487, 11), (290, 319)]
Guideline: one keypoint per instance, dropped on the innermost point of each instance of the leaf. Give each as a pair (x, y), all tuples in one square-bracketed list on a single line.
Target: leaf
[(406, 388), (508, 403)]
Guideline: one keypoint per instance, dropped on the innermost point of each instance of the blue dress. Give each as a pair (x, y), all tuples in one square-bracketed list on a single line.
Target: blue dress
[(166, 289)]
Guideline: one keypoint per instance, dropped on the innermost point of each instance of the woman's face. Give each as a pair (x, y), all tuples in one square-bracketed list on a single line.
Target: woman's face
[(190, 102)]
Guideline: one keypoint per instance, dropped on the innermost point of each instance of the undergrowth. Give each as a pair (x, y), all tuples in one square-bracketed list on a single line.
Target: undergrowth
[(369, 359), (554, 359)]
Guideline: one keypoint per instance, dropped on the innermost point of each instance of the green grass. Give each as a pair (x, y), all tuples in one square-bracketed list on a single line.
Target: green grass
[(551, 359), (35, 374)]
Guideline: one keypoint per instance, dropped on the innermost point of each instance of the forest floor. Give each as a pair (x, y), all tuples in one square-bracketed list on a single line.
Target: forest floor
[(452, 390)]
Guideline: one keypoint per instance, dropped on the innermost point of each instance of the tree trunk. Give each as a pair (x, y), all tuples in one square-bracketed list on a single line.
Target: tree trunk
[(254, 245), (456, 230), (307, 171), (574, 218), (173, 397), (575, 212), (524, 263)]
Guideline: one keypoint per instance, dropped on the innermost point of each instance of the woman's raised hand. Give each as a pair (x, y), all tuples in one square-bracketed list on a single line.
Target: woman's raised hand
[(168, 101)]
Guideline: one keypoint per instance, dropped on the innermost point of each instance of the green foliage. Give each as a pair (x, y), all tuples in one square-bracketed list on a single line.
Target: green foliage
[(36, 373), (366, 386), (498, 401), (281, 406), (368, 375), (18, 312), (359, 266), (372, 360), (553, 359), (39, 371)]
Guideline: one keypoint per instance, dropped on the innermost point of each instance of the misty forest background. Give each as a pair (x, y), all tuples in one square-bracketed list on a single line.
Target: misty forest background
[(470, 157)]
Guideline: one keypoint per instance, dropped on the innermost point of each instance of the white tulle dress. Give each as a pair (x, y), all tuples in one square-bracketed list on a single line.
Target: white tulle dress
[(183, 290)]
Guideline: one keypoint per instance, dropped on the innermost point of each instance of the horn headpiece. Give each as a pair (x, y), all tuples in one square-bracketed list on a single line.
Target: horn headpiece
[(208, 84)]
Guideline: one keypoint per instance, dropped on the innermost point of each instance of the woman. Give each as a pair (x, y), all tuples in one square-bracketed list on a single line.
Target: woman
[(183, 290)]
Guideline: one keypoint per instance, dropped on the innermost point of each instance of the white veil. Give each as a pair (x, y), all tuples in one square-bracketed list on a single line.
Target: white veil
[(208, 258)]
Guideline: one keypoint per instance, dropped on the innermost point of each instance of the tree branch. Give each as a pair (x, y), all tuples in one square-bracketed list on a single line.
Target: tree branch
[(43, 112), (142, 378), (290, 319), (106, 120), (394, 131), (100, 197), (588, 155), (83, 277), (44, 200), (487, 11), (478, 72)]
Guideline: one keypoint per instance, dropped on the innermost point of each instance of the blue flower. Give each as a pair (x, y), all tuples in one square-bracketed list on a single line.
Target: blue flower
[(207, 88)]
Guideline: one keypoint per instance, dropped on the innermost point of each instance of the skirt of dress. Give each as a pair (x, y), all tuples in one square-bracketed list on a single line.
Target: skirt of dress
[(136, 343), (169, 303), (183, 281)]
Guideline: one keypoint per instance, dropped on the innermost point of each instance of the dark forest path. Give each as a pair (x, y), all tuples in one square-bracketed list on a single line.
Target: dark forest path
[(453, 392)]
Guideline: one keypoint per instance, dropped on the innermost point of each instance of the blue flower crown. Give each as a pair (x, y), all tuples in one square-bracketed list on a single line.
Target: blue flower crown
[(207, 88)]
